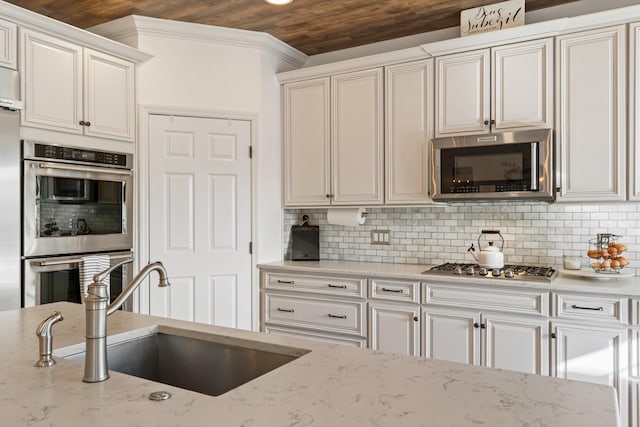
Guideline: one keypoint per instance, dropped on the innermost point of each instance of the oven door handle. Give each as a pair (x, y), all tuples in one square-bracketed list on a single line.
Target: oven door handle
[(80, 168), (79, 260)]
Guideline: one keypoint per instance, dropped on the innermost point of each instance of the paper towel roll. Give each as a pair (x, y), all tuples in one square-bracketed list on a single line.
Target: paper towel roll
[(351, 217)]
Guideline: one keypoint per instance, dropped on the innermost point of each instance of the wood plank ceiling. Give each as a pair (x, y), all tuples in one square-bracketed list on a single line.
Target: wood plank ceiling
[(311, 26)]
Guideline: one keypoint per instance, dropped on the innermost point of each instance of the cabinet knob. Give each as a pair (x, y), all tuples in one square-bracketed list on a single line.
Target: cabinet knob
[(328, 196), (493, 122), (87, 123), (486, 122), (81, 123), (483, 326), (415, 319), (553, 335), (476, 325), (557, 189)]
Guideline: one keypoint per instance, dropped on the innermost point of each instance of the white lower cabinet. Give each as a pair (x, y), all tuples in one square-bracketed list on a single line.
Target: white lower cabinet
[(496, 340), (593, 353), (451, 334), (394, 328), (323, 307)]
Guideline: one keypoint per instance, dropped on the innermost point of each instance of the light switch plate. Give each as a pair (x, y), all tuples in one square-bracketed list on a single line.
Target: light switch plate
[(380, 237)]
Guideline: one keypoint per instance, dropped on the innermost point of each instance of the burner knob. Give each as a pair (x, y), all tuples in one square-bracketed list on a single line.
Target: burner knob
[(471, 271), (509, 273), (483, 271), (495, 272), (457, 270)]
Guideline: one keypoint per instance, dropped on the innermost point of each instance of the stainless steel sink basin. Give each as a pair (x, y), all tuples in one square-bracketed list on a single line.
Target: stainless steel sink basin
[(199, 364)]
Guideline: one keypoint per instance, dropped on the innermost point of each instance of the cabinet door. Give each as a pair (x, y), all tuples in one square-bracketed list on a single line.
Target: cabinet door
[(591, 120), (8, 44), (462, 93), (109, 96), (634, 112), (451, 334), (51, 82), (306, 143), (517, 343), (522, 82), (592, 354), (357, 137), (409, 126), (394, 328)]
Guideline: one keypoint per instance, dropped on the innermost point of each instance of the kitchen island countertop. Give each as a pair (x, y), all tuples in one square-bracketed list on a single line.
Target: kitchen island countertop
[(330, 385)]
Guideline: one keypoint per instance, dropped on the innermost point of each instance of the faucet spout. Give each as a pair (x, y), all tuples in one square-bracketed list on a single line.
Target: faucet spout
[(97, 308), (131, 287)]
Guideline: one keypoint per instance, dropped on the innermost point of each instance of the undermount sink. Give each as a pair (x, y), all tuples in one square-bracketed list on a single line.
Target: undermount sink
[(203, 363)]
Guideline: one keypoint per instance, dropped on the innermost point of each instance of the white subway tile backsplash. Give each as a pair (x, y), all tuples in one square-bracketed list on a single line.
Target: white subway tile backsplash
[(534, 233)]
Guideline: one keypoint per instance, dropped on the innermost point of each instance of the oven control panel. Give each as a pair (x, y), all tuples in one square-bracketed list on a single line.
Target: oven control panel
[(57, 152)]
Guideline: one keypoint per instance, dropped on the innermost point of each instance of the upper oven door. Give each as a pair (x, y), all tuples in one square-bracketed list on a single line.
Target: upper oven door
[(75, 208)]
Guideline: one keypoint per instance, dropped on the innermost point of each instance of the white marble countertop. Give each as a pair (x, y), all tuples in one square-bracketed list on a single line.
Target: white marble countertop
[(561, 282), (329, 386)]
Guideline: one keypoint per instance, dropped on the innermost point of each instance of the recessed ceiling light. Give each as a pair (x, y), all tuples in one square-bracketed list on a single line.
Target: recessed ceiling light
[(279, 1)]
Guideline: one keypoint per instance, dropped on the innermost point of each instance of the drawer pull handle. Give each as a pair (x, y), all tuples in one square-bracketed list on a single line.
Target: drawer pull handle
[(287, 282), (337, 286), (337, 317), (286, 310), (577, 307), (397, 291)]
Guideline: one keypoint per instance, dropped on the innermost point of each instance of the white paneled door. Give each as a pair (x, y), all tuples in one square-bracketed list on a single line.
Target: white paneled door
[(200, 218)]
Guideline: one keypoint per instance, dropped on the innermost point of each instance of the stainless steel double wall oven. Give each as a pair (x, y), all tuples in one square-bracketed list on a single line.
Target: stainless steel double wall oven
[(75, 202)]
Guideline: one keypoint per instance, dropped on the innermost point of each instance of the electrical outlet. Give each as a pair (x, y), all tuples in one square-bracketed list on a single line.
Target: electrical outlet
[(380, 237)]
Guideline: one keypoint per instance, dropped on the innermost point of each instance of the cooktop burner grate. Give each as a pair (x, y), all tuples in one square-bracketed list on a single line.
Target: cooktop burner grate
[(509, 271)]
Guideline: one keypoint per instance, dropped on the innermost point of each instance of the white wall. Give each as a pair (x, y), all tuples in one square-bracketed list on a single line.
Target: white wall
[(224, 72)]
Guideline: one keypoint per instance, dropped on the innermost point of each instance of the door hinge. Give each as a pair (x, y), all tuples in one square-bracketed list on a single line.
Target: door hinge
[(251, 247), (251, 152)]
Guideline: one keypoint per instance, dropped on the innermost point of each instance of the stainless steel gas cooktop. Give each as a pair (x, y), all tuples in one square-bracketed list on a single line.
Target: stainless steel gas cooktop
[(508, 272)]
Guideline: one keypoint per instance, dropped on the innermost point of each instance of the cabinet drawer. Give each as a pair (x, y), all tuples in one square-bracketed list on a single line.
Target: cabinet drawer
[(317, 336), (585, 307), (391, 290), (509, 300), (318, 284), (324, 314)]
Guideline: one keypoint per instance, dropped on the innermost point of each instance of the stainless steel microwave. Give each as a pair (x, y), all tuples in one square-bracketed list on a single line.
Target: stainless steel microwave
[(507, 166)]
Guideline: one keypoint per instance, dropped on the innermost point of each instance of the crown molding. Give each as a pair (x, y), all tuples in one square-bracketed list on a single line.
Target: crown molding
[(136, 25), (378, 60), (27, 19)]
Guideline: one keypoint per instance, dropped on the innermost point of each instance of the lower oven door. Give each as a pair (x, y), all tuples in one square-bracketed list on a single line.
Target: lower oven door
[(54, 279)]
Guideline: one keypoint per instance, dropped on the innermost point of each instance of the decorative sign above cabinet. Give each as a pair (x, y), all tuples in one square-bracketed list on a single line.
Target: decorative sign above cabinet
[(492, 17)]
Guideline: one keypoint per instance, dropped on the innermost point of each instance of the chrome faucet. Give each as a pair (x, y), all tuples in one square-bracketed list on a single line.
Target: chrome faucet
[(45, 340), (97, 308)]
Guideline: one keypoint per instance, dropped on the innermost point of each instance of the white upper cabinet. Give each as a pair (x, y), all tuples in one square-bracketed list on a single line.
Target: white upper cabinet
[(634, 112), (51, 82), (73, 89), (499, 89), (109, 100), (8, 44), (522, 85), (462, 93), (408, 128), (306, 142), (357, 138), (591, 105)]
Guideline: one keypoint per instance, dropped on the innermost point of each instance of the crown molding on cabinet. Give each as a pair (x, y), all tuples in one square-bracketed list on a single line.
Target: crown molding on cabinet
[(398, 56), (26, 19), (135, 25)]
